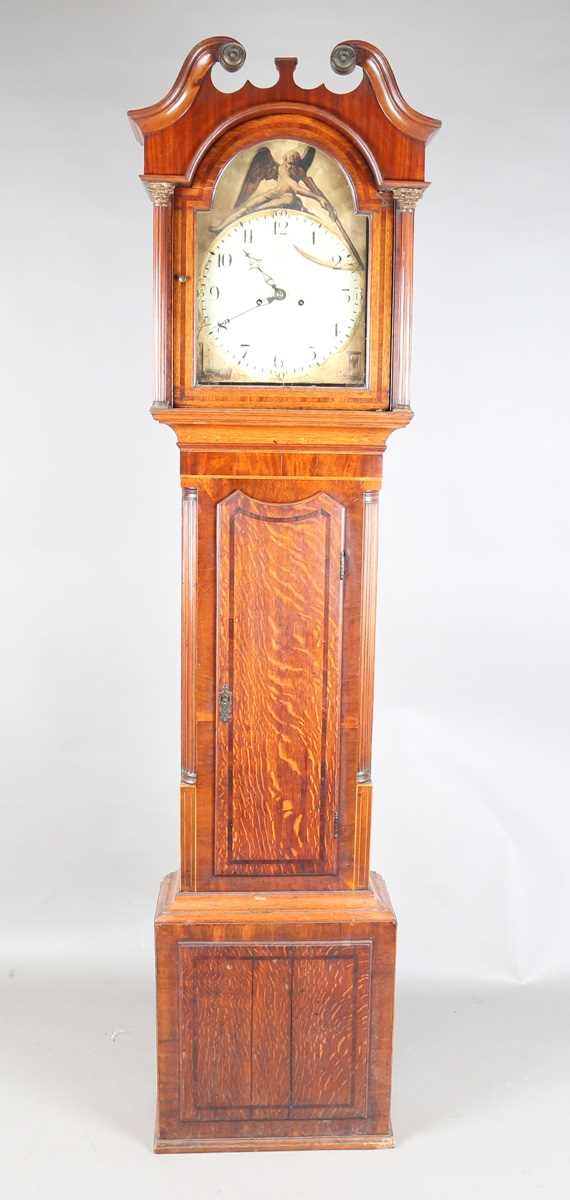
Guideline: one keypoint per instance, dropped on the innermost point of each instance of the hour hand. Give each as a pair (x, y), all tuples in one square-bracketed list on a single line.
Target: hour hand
[(254, 265)]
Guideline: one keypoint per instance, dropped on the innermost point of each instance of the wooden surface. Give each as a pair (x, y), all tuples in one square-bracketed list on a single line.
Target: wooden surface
[(362, 822), (279, 642), (275, 1016), (162, 290), (189, 836), (266, 758), (364, 468), (369, 906), (368, 631), (176, 130), (196, 1145), (273, 1031), (189, 632), (275, 955), (402, 309), (378, 139), (269, 429)]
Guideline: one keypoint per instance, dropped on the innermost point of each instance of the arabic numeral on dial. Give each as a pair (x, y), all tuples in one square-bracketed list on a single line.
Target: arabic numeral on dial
[(313, 353), (278, 362), (280, 226), (215, 292), (336, 333), (224, 260), (336, 260), (314, 237), (247, 236), (244, 350), (348, 294)]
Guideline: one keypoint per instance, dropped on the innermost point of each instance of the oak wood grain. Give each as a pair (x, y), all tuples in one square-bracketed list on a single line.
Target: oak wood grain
[(279, 637), (331, 1007), (362, 820), (198, 868), (303, 983), (271, 1036), (215, 1041), (189, 835), (273, 1031)]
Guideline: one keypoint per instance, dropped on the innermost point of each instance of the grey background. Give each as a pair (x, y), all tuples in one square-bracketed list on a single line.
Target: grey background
[(471, 764)]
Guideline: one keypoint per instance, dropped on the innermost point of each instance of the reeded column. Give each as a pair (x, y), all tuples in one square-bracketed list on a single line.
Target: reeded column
[(406, 196), (161, 193)]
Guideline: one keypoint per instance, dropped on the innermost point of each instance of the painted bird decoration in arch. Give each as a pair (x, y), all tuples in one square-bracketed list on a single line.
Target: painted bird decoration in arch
[(269, 183)]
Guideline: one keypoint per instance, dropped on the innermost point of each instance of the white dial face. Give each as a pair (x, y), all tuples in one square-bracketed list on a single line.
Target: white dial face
[(280, 295)]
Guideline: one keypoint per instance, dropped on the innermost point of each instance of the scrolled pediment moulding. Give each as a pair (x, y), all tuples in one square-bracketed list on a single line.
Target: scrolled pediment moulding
[(393, 133)]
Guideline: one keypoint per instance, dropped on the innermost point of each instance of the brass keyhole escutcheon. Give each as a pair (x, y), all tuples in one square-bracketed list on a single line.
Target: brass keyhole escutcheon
[(225, 703)]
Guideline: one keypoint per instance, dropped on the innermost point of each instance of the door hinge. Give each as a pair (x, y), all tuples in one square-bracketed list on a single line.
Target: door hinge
[(225, 703), (342, 564), (336, 825)]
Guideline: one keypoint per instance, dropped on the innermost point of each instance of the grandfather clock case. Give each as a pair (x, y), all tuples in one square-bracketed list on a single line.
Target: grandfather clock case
[(283, 227)]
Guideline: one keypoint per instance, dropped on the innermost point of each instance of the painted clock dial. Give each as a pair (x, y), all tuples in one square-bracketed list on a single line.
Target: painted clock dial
[(281, 284)]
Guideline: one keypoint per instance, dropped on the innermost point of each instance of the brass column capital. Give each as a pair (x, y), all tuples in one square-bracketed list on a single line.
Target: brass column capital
[(160, 191), (406, 195)]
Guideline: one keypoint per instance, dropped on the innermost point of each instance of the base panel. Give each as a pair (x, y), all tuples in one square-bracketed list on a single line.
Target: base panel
[(275, 1020)]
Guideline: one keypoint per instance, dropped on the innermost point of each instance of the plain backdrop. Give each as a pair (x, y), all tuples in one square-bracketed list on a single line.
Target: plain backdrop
[(471, 747)]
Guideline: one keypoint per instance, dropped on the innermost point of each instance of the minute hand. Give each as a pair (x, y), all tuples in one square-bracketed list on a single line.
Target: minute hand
[(278, 294)]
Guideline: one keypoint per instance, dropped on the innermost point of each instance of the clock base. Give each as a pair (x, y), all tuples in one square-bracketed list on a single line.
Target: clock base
[(274, 1019), (219, 1145)]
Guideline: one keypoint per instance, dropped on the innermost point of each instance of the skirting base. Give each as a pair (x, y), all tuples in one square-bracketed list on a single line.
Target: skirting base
[(217, 1145)]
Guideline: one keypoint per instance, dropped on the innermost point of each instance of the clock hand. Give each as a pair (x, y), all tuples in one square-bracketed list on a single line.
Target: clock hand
[(321, 262), (254, 266), (279, 294)]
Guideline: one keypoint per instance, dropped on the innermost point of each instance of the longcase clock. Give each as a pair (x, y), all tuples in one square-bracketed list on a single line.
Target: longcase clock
[(283, 241)]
